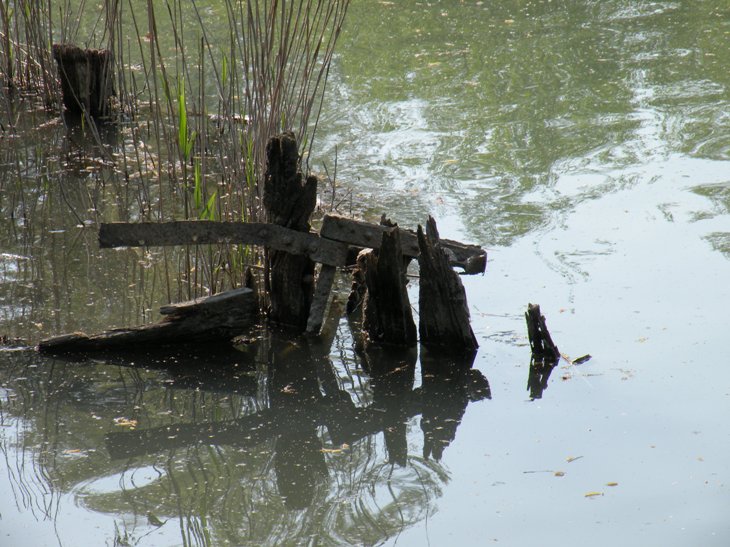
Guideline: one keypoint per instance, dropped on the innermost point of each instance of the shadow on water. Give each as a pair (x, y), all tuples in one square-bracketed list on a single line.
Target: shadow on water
[(262, 443)]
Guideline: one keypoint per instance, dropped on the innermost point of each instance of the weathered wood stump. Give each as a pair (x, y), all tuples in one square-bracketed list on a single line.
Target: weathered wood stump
[(541, 343), (387, 315), (444, 314), (289, 200), (209, 319), (86, 79)]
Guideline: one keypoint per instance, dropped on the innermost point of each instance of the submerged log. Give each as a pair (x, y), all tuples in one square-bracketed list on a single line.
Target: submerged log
[(541, 343), (86, 79), (289, 200), (207, 319), (471, 258), (387, 316), (444, 314)]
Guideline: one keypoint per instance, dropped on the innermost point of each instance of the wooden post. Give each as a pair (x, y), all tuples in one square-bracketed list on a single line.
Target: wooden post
[(444, 314), (541, 342), (289, 200), (387, 316), (86, 79)]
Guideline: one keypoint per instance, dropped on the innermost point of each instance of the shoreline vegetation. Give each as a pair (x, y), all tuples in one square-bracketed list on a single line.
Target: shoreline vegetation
[(193, 108)]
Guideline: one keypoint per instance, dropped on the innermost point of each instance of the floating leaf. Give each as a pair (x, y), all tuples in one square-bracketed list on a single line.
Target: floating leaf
[(593, 494), (611, 484), (559, 473), (343, 448), (582, 359), (125, 422), (571, 459)]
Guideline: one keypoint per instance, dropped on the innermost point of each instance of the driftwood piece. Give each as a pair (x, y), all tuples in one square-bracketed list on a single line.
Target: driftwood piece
[(541, 343), (444, 314), (191, 232), (289, 200), (207, 319), (387, 316), (86, 79), (472, 258)]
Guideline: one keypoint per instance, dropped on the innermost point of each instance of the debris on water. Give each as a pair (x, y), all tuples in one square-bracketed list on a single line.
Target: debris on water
[(125, 422), (344, 447), (571, 459), (593, 494), (611, 484), (582, 359)]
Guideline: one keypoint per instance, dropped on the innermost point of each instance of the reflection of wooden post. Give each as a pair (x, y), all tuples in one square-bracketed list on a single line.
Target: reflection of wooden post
[(444, 315), (289, 200), (86, 79), (387, 316)]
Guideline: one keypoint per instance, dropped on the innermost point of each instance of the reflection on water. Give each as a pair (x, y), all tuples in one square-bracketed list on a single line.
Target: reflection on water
[(248, 445), (585, 142)]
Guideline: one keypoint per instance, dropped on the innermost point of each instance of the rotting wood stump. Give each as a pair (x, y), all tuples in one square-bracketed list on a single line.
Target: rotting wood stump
[(443, 310), (289, 200), (387, 316), (541, 343), (87, 81), (208, 319)]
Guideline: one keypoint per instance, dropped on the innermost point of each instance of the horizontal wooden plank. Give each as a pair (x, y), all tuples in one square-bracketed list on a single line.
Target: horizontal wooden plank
[(472, 258), (192, 232)]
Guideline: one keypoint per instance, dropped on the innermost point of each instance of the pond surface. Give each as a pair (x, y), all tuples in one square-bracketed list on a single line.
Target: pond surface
[(586, 145)]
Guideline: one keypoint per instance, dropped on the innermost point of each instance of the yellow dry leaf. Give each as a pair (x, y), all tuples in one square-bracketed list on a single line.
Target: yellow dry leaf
[(343, 447), (593, 494), (611, 484), (559, 473), (571, 459), (125, 422), (72, 451)]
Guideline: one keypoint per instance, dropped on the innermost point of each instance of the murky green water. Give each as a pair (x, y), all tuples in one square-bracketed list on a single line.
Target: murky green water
[(585, 144)]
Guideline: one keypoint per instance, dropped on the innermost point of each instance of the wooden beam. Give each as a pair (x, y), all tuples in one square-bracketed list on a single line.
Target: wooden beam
[(192, 232), (472, 258)]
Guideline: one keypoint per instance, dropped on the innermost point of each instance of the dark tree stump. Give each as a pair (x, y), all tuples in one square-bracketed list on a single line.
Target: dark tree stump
[(289, 200), (387, 315), (444, 314), (86, 79), (541, 343)]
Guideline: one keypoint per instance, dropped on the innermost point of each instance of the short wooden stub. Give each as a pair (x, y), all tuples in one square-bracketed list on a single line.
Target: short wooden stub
[(209, 319), (86, 79), (444, 314), (541, 342), (289, 200), (387, 315)]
